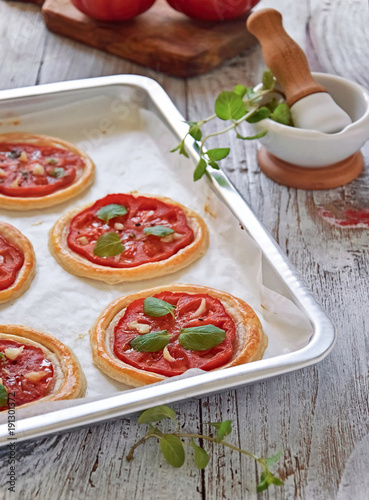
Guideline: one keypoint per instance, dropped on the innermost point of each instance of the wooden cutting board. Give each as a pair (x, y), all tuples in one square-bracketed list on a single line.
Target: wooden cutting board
[(162, 38)]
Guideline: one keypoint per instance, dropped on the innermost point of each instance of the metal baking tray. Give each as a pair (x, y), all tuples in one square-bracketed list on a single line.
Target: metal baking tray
[(151, 96)]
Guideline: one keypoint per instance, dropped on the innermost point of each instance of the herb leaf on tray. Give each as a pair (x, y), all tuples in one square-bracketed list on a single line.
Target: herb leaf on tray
[(243, 104), (155, 308), (171, 444), (108, 245)]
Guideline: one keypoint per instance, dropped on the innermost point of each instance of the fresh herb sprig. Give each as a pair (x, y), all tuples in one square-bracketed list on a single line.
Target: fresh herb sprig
[(243, 104), (171, 444)]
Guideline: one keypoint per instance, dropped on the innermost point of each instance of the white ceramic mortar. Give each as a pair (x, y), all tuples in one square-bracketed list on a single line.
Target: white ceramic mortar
[(309, 148)]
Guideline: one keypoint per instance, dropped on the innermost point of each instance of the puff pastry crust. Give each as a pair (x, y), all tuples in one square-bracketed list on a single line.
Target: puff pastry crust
[(82, 181), (27, 271), (79, 266), (69, 381), (250, 346)]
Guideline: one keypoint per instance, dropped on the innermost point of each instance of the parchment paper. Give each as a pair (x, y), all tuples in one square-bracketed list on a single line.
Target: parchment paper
[(131, 152)]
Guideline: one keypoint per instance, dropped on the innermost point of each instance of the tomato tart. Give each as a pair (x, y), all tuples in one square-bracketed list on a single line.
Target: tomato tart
[(17, 263), (162, 332), (38, 171), (36, 367), (128, 237)]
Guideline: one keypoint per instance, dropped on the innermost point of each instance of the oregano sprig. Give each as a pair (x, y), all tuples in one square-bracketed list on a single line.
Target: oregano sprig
[(172, 445), (243, 104)]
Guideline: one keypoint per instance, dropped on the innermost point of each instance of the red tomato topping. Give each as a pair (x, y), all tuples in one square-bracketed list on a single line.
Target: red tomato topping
[(13, 373), (140, 248), (113, 10), (11, 261), (31, 171), (187, 305)]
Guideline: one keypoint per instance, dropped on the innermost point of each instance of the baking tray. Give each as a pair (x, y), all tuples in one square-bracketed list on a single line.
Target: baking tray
[(146, 94)]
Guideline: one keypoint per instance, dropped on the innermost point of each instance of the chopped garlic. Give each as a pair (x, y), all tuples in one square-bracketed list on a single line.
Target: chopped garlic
[(23, 156), (150, 213), (171, 237), (83, 240), (140, 327), (15, 183), (13, 352), (35, 376), (2, 173), (118, 226), (200, 310), (38, 169), (167, 356)]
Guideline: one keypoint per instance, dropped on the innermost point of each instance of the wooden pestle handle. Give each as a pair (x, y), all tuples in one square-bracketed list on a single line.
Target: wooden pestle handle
[(283, 56)]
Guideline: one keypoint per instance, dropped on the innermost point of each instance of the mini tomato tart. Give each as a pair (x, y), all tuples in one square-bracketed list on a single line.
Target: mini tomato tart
[(128, 237), (163, 332), (36, 367), (17, 263), (37, 171)]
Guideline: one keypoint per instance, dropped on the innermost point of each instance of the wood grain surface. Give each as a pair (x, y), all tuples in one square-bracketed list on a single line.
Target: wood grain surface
[(318, 415), (162, 38)]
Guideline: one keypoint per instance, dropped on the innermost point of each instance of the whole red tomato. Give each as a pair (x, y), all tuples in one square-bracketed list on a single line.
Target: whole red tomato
[(113, 10), (213, 10)]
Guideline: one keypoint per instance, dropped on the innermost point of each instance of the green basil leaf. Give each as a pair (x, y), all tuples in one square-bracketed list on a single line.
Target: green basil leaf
[(110, 211), (272, 460), (199, 170), (263, 485), (259, 115), (156, 308), (195, 132), (240, 90), (181, 148), (214, 165), (223, 428), (267, 479), (158, 231), (252, 137), (172, 449), (218, 153), (268, 80), (52, 161), (108, 245), (201, 456), (282, 114), (229, 106), (156, 414), (2, 356), (201, 338), (220, 180), (272, 104), (150, 342), (3, 395), (57, 172)]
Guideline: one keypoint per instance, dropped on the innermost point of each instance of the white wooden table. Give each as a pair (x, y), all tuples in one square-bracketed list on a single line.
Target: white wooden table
[(319, 415)]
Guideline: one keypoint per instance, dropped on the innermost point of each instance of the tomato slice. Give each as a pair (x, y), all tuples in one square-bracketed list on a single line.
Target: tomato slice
[(11, 261), (140, 248), (31, 171), (186, 306), (13, 373)]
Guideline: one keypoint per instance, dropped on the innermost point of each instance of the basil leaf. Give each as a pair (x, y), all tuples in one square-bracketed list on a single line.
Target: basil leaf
[(267, 479), (240, 90), (214, 165), (158, 231), (201, 457), (195, 132), (229, 106), (57, 172), (155, 308), (199, 170), (3, 395), (110, 211), (252, 137), (218, 153), (52, 161), (282, 114), (201, 338), (272, 460), (108, 245), (150, 342), (181, 148), (156, 414), (2, 356), (223, 428), (259, 115), (268, 80), (172, 449)]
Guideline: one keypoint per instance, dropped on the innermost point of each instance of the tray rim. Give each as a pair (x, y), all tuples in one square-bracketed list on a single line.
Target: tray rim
[(132, 401)]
